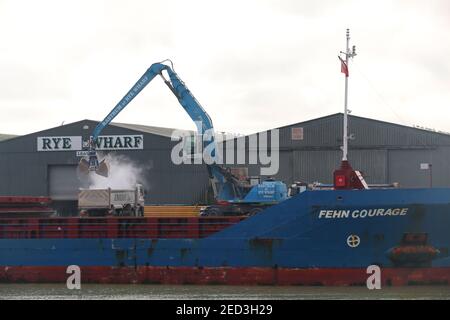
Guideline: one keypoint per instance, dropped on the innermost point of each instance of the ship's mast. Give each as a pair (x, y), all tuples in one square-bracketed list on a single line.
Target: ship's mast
[(348, 54), (345, 177)]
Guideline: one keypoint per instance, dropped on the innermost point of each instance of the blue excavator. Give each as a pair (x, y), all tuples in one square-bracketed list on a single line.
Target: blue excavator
[(233, 196)]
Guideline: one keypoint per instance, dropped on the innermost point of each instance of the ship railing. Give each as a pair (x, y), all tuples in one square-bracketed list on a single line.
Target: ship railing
[(197, 227), (327, 186)]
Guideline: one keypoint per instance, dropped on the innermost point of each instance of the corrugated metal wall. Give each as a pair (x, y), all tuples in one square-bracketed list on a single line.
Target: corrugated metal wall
[(385, 152), (311, 166), (404, 167)]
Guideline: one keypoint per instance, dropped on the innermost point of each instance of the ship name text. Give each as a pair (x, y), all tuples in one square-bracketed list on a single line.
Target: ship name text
[(363, 213)]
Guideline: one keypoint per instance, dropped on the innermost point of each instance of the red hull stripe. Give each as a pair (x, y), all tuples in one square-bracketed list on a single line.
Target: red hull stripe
[(227, 275)]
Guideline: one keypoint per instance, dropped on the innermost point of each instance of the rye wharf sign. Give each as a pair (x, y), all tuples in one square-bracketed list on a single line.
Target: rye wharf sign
[(118, 142), (66, 143), (75, 143)]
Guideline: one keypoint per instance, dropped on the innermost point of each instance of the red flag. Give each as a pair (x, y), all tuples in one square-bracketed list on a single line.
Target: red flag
[(344, 67)]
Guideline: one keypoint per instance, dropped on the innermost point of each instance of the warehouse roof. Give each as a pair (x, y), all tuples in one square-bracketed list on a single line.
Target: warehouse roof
[(6, 136), (166, 132), (160, 131), (340, 114)]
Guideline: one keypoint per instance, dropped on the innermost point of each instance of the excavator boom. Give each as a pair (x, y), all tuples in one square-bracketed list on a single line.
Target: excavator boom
[(185, 98), (92, 163)]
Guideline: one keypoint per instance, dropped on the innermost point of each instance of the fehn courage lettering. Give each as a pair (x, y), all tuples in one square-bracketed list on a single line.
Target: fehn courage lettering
[(362, 213)]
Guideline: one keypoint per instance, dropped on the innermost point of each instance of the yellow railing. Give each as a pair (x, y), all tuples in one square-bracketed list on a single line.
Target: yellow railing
[(172, 211)]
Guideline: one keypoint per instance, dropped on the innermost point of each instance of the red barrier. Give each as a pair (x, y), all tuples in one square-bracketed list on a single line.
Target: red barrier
[(114, 227)]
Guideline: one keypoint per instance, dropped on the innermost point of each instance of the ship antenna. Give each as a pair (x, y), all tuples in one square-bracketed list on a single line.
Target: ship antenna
[(348, 54)]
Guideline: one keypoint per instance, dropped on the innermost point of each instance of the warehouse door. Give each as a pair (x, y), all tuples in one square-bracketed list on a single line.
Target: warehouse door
[(63, 182)]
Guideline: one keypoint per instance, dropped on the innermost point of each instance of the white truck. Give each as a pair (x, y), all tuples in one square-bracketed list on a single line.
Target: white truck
[(116, 202)]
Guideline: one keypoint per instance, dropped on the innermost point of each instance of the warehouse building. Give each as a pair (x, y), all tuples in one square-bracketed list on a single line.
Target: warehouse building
[(384, 152), (45, 163)]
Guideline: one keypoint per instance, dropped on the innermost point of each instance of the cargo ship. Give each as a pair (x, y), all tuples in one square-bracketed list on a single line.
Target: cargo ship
[(319, 236)]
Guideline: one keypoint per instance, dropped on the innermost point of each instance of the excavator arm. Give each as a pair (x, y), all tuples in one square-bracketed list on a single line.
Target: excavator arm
[(224, 184), (93, 164)]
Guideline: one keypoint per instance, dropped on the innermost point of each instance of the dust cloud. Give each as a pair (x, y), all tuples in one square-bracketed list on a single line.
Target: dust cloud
[(123, 174)]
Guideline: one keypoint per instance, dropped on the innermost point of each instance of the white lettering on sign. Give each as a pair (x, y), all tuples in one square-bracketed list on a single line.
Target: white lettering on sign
[(361, 213), (117, 142), (67, 143), (82, 153)]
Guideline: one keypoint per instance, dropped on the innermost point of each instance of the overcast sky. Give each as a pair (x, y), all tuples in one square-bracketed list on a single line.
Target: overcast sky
[(253, 65)]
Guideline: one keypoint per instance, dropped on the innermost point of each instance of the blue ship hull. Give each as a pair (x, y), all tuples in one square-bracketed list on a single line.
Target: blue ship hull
[(332, 230)]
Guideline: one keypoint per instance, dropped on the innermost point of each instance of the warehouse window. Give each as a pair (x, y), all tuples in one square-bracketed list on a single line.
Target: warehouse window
[(297, 133)]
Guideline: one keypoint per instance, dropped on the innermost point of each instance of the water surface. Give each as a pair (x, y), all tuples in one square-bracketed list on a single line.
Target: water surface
[(194, 292)]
